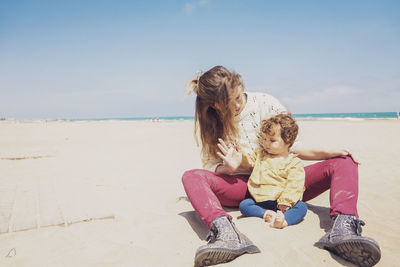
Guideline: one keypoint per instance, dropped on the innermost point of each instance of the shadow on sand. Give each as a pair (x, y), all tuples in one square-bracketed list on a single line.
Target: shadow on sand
[(196, 222), (323, 215)]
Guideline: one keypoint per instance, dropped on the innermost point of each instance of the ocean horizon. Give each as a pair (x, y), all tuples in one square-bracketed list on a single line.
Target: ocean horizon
[(298, 116)]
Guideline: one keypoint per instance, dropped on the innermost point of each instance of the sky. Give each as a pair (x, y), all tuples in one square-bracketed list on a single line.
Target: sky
[(112, 59)]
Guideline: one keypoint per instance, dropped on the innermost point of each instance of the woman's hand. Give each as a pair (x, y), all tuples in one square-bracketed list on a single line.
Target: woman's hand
[(342, 153), (230, 155)]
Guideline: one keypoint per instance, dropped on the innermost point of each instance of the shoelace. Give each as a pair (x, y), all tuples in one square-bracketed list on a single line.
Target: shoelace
[(354, 226), (211, 236), (358, 224)]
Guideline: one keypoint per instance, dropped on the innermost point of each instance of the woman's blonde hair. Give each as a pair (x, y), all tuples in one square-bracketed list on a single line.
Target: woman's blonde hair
[(215, 87)]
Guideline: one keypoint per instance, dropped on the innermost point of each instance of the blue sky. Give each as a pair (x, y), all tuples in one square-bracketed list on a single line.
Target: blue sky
[(105, 59)]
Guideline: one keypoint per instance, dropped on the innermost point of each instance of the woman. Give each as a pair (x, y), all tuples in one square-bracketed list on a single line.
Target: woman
[(224, 110)]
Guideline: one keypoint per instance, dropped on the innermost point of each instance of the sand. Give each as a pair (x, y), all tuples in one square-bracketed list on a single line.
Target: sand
[(136, 168)]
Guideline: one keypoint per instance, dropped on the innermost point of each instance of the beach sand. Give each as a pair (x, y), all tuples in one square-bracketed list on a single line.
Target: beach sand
[(144, 218)]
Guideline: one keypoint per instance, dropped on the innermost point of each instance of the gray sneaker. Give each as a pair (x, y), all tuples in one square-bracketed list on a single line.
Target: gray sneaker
[(225, 243), (345, 240)]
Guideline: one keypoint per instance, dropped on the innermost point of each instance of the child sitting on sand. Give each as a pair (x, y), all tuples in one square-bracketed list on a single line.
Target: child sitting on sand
[(277, 181)]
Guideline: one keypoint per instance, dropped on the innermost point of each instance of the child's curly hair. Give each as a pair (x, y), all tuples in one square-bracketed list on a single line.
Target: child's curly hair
[(287, 124)]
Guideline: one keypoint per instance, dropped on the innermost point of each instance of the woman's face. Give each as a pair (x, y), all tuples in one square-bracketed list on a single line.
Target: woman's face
[(239, 101)]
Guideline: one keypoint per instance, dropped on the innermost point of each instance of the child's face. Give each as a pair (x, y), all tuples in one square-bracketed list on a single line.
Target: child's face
[(274, 144)]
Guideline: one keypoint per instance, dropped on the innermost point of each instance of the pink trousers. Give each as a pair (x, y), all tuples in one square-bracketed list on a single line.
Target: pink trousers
[(209, 191)]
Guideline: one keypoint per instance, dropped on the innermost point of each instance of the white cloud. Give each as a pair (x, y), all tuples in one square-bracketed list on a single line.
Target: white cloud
[(191, 6)]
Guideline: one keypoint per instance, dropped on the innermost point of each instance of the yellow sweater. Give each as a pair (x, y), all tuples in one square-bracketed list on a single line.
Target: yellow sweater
[(280, 179)]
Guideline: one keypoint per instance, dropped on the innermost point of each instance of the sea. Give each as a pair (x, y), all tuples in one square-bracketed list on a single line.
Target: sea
[(300, 116)]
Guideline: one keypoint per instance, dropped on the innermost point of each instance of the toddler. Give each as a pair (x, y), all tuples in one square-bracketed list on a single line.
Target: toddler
[(276, 184)]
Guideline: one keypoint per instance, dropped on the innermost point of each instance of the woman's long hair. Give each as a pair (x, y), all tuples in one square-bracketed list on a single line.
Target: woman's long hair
[(215, 88)]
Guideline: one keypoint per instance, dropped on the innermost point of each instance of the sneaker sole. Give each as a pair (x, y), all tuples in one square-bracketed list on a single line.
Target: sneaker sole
[(213, 256), (362, 252)]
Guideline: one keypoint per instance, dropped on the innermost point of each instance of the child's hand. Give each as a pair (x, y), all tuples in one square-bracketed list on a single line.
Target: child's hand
[(283, 208), (231, 156)]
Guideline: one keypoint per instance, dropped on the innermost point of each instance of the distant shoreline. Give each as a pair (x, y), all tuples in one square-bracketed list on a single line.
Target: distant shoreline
[(299, 116)]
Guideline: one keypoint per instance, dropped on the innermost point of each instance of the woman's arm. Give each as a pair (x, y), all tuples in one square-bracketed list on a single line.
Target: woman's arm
[(322, 154)]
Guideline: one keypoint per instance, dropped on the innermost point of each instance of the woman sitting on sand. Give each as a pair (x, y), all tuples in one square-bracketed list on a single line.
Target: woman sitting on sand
[(276, 183), (224, 109)]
